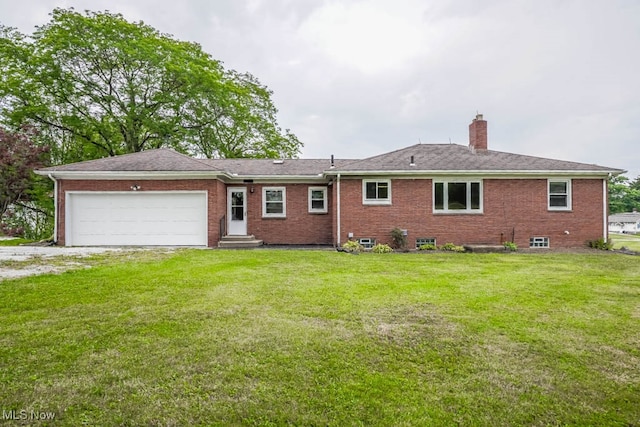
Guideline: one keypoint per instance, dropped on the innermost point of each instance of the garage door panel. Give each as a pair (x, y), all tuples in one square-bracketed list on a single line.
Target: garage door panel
[(141, 218)]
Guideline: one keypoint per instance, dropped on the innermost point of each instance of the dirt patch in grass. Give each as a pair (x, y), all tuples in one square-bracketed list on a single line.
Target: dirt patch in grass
[(410, 325), (25, 261)]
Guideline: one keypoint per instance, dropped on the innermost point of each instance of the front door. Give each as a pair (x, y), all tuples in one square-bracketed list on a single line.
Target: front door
[(237, 211)]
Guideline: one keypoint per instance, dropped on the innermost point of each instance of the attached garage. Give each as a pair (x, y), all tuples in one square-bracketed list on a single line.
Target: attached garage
[(136, 218)]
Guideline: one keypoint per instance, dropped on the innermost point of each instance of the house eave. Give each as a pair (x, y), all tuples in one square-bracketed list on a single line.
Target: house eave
[(228, 178), (498, 174), (271, 179), (124, 175)]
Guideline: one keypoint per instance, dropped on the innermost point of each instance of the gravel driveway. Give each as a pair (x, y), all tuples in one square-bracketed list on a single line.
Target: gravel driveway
[(21, 261)]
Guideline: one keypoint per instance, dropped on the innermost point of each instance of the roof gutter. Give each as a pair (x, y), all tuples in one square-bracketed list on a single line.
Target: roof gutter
[(118, 175), (163, 175), (484, 173)]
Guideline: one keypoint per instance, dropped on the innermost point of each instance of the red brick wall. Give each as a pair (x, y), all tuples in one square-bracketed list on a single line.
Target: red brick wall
[(511, 208), (299, 227)]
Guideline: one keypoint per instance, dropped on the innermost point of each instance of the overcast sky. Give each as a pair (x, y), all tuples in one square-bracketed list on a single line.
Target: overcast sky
[(553, 78)]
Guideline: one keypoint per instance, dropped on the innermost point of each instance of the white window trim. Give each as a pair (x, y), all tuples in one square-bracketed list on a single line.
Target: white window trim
[(324, 199), (366, 201), (539, 242), (445, 200), (264, 202), (569, 198)]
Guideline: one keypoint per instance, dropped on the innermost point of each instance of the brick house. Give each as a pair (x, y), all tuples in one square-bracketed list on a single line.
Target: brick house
[(436, 192)]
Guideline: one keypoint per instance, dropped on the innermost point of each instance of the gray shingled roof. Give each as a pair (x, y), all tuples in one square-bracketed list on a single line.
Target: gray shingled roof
[(167, 160), (627, 217), (427, 158), (270, 167), (454, 157), (162, 159)]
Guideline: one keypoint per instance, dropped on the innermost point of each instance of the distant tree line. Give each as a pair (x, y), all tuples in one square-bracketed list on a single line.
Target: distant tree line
[(624, 194)]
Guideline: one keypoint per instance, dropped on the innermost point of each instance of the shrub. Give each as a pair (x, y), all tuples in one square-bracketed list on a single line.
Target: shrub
[(428, 247), (451, 248), (510, 246), (604, 245), (381, 249), (352, 246), (398, 237)]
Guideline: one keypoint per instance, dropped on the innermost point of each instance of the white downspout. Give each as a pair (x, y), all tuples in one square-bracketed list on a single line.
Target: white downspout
[(338, 209), (55, 208), (605, 206)]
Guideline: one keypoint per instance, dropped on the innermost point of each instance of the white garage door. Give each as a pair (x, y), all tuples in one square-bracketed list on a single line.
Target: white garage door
[(136, 218)]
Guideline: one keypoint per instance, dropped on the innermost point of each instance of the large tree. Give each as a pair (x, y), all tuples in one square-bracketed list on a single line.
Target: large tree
[(96, 85), (624, 194)]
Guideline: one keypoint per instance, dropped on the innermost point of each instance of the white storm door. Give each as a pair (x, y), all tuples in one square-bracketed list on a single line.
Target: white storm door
[(237, 211)]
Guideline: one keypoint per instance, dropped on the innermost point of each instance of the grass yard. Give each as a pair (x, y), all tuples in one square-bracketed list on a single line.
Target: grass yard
[(629, 241), (272, 337), (13, 241)]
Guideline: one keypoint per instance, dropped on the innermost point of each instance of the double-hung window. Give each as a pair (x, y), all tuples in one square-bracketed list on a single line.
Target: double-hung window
[(559, 194), (318, 199), (376, 191), (274, 202), (457, 196)]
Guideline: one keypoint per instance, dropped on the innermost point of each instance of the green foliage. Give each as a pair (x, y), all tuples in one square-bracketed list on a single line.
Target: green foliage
[(510, 246), (399, 238), (624, 194), (602, 244), (450, 247), (18, 157), (26, 208), (29, 221), (352, 246), (96, 85), (428, 247), (381, 248)]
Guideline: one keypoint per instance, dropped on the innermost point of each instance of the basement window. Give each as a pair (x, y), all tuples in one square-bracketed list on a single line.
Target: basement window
[(457, 197), (367, 242), (559, 191), (539, 242), (425, 241), (376, 192)]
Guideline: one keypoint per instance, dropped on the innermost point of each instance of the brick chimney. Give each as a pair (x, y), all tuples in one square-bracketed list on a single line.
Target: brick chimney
[(478, 133)]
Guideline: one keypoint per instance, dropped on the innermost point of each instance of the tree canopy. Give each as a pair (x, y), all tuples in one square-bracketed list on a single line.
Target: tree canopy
[(96, 85), (624, 194)]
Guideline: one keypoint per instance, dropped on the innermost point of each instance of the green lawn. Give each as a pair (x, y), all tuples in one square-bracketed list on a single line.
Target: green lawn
[(628, 241), (14, 242), (273, 337)]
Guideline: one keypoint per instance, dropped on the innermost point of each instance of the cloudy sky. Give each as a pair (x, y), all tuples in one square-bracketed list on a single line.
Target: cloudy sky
[(554, 78)]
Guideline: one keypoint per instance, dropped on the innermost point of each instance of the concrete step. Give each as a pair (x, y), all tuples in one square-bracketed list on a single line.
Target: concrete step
[(235, 238), (239, 242)]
